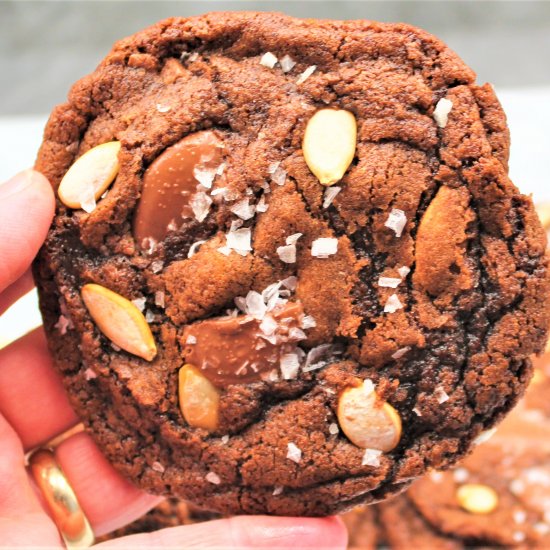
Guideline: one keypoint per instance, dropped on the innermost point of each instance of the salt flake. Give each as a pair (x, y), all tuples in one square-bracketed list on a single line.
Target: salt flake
[(159, 298), (441, 395), (243, 209), (330, 194), (392, 304), (204, 175), (212, 477), (396, 221), (461, 475), (290, 283), (157, 466), (294, 453), (277, 491), (268, 60), (287, 254), (404, 271), (63, 323), (163, 108), (324, 247), (89, 374), (262, 206), (308, 322), (139, 303), (200, 204), (239, 240), (290, 364), (306, 74), (287, 63), (484, 436), (389, 282), (371, 457), (441, 112), (194, 248), (333, 429), (255, 305)]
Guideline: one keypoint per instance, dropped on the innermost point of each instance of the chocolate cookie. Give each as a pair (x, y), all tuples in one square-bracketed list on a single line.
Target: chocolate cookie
[(288, 272)]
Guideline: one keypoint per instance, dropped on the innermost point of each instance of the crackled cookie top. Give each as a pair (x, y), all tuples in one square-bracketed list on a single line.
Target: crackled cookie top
[(288, 271)]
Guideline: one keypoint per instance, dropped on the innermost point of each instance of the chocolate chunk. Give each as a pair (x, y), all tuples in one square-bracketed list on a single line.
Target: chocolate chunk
[(241, 349), (170, 183)]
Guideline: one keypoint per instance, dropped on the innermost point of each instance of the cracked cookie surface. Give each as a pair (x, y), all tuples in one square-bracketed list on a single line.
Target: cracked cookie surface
[(420, 275)]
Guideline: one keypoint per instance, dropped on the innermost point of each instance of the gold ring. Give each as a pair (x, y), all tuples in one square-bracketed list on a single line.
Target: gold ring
[(60, 499)]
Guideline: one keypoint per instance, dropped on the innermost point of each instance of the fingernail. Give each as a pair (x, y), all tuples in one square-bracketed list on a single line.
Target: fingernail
[(17, 183)]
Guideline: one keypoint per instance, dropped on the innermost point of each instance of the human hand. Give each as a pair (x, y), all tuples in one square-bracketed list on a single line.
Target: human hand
[(34, 408)]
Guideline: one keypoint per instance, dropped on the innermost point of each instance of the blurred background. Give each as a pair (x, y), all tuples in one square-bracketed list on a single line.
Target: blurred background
[(46, 46)]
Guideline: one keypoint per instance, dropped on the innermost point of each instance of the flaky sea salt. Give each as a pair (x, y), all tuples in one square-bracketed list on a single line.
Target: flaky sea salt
[(287, 63), (330, 194), (159, 298), (204, 175), (392, 304), (244, 209), (293, 239), (396, 221), (220, 169), (268, 325), (158, 467), (293, 453), (306, 74), (317, 357), (441, 112), (150, 317), (290, 364), (89, 374), (225, 439), (519, 516), (140, 303), (461, 475), (333, 428), (279, 176), (371, 457), (324, 247), (400, 352), (239, 240), (194, 248), (436, 477), (200, 204), (368, 386), (62, 325), (191, 340), (295, 334), (389, 282), (277, 491), (404, 271), (157, 265), (519, 536), (212, 477), (262, 206), (517, 487), (287, 254), (441, 395), (255, 305), (416, 411), (163, 108), (308, 322), (484, 436), (268, 60), (290, 283)]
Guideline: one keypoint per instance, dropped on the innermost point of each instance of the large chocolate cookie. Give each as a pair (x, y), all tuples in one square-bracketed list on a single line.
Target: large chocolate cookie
[(288, 272)]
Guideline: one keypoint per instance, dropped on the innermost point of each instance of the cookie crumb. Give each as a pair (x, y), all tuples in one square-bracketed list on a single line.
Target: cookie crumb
[(371, 457), (294, 453), (268, 60), (441, 112), (396, 221), (212, 477)]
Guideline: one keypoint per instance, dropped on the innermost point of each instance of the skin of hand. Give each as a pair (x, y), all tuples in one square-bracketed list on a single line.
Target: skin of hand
[(34, 408)]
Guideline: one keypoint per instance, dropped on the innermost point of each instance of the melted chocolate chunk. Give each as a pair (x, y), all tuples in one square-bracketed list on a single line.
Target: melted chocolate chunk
[(170, 183), (242, 349)]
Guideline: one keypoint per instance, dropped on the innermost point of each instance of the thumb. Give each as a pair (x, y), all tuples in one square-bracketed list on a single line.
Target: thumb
[(26, 210), (243, 533)]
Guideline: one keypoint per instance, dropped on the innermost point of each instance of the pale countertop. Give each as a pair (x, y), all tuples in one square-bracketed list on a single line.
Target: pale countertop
[(528, 111)]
